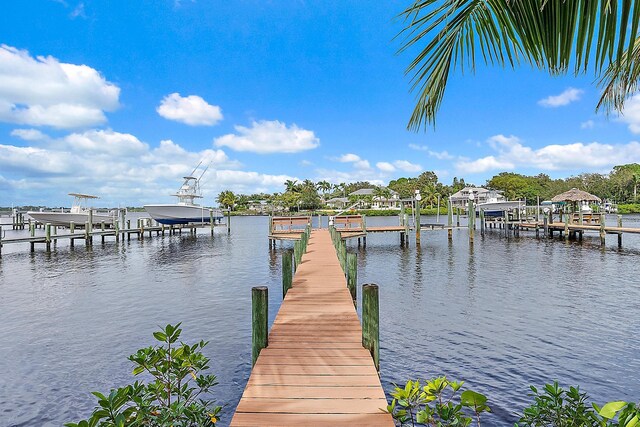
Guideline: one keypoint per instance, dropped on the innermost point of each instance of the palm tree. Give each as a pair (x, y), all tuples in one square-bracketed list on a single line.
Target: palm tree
[(553, 35), (290, 185), (227, 199), (325, 187)]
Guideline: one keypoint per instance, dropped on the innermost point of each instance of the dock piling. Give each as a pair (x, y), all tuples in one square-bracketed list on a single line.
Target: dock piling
[(603, 232), (287, 272), (472, 217), (352, 275), (371, 322), (620, 234), (47, 236), (259, 321), (449, 220)]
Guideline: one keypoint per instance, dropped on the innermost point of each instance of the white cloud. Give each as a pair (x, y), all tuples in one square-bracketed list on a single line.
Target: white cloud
[(418, 147), (565, 98), (191, 110), (348, 158), (106, 142), (589, 124), (269, 137), (29, 134), (406, 166), (385, 167), (43, 91), (118, 167), (511, 153), (631, 114), (440, 155), (357, 161)]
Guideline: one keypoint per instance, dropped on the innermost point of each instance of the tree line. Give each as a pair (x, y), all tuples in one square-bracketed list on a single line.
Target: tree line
[(620, 185)]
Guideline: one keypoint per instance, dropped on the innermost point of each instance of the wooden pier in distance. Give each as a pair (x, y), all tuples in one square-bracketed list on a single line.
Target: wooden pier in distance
[(314, 370)]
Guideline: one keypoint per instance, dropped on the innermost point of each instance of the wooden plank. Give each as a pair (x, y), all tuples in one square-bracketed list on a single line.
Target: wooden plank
[(314, 380), (307, 420), (300, 392), (312, 406), (362, 368)]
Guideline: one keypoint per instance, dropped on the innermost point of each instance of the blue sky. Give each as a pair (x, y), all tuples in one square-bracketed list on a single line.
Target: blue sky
[(120, 99)]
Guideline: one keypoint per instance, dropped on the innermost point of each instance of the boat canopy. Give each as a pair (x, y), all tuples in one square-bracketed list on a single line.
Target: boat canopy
[(83, 196)]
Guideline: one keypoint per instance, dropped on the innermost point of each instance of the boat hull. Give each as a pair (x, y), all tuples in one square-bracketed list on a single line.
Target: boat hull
[(66, 218), (172, 214)]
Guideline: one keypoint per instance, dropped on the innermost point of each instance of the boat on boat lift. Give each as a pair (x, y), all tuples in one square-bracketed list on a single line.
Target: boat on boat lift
[(78, 214), (186, 210)]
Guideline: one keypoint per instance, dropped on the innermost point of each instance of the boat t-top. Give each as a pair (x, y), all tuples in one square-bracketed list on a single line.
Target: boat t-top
[(186, 210), (78, 214)]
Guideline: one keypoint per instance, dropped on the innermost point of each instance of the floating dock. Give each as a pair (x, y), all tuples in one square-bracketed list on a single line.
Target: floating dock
[(314, 370)]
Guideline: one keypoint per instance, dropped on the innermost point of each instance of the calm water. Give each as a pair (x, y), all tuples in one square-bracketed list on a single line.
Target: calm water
[(501, 315)]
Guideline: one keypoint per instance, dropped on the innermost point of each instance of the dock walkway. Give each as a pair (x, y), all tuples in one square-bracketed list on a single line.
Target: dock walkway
[(314, 371)]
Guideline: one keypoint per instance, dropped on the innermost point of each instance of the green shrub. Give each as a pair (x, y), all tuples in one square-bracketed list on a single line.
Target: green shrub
[(436, 403), (175, 396), (557, 407)]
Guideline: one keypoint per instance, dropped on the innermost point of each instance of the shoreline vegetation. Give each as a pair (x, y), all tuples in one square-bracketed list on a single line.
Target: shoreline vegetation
[(177, 391)]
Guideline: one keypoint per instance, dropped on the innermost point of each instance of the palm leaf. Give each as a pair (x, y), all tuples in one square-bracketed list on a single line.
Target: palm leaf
[(553, 35)]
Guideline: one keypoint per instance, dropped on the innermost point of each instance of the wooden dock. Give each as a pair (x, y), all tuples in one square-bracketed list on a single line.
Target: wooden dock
[(51, 235), (315, 371)]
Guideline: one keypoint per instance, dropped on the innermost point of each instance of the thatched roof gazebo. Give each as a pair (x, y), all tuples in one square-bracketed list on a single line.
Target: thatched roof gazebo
[(579, 202), (575, 195)]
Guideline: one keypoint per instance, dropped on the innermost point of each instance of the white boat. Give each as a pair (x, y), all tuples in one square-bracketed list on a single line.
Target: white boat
[(186, 210), (79, 214), (494, 207)]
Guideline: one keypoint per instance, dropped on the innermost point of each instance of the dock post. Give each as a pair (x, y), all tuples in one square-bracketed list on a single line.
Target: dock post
[(211, 221), (116, 227), (297, 248), (343, 257), (47, 236), (86, 232), (32, 229), (603, 232), (418, 222), (90, 220), (141, 226), (259, 321), (471, 211), (122, 218), (229, 221), (545, 224), (287, 272), (0, 241), (581, 217), (566, 227), (482, 222), (450, 220), (620, 233), (352, 275), (371, 322)]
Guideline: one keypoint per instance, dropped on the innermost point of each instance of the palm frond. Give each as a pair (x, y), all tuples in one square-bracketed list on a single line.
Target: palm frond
[(548, 34)]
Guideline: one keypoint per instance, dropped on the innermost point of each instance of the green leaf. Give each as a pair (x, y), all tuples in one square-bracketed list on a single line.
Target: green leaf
[(138, 370), (471, 398), (160, 336), (633, 422), (609, 410)]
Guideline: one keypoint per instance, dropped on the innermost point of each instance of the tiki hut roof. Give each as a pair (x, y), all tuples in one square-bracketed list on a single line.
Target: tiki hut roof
[(575, 195)]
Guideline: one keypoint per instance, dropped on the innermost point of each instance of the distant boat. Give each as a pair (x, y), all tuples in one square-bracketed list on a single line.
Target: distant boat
[(495, 208), (186, 210), (78, 214)]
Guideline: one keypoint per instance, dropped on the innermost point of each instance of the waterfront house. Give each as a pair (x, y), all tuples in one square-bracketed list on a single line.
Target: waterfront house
[(337, 203), (460, 199), (375, 201)]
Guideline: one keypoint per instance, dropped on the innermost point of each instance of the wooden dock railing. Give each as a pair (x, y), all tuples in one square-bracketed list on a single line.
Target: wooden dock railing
[(315, 370)]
